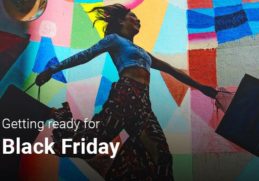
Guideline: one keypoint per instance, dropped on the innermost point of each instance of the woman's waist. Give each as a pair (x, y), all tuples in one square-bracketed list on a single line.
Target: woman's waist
[(138, 74)]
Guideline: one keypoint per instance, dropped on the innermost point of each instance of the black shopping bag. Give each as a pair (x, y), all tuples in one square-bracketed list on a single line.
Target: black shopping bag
[(240, 123), (15, 104)]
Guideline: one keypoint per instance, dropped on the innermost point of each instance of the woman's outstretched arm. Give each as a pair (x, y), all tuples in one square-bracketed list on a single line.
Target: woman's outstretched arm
[(182, 76), (106, 44)]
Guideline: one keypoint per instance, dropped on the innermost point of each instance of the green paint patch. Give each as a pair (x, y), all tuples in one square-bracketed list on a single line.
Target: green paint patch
[(47, 91), (83, 33), (182, 167)]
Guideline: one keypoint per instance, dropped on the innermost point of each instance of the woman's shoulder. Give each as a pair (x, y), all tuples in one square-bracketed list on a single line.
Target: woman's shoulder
[(113, 36), (115, 39)]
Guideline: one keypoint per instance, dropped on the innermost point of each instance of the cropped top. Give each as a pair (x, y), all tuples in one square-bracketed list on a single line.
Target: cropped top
[(123, 52)]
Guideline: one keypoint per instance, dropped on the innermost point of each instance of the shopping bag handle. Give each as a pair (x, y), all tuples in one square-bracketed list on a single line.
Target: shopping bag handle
[(30, 86)]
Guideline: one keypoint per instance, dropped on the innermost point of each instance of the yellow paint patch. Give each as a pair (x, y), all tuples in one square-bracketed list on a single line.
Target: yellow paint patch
[(151, 14), (100, 24)]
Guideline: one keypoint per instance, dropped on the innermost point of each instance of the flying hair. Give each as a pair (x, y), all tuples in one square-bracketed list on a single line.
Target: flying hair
[(112, 15)]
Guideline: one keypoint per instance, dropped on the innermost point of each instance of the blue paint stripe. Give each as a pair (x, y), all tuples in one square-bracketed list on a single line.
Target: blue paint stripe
[(98, 109), (103, 92), (201, 30), (208, 11), (46, 57), (59, 75), (227, 10), (62, 52), (230, 21), (250, 5), (224, 3), (90, 69), (173, 33), (163, 104), (109, 69), (198, 20), (45, 53), (254, 26), (252, 14), (26, 60), (234, 33)]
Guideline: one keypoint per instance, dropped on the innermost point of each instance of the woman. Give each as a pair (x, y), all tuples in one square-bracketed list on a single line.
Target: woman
[(128, 106)]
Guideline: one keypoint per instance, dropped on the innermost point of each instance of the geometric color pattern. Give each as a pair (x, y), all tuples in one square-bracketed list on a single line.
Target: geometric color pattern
[(213, 41)]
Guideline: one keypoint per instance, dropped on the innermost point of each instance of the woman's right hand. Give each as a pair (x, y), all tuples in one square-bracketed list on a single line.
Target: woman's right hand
[(43, 77), (208, 91)]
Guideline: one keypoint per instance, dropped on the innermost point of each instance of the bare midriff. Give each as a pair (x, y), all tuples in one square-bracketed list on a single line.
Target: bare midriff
[(138, 74)]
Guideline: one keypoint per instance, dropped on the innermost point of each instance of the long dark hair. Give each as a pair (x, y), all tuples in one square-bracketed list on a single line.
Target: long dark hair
[(112, 14)]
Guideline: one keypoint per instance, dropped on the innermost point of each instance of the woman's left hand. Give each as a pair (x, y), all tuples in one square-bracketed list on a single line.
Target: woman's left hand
[(209, 91), (43, 77)]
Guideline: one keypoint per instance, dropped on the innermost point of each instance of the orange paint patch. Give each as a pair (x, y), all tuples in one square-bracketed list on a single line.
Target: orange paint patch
[(200, 4), (202, 66), (176, 88)]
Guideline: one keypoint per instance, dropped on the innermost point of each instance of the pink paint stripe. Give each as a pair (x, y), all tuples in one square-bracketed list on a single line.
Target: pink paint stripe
[(133, 4), (201, 36)]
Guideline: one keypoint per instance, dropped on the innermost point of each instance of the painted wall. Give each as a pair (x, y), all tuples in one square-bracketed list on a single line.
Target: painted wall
[(214, 41)]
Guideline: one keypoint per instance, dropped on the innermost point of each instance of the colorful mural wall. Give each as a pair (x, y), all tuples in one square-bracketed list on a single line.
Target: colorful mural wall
[(214, 41)]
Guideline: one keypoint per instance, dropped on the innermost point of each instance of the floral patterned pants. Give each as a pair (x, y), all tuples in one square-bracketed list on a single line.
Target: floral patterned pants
[(145, 155)]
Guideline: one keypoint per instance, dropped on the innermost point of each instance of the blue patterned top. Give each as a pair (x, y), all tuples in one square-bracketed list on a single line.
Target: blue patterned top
[(123, 52)]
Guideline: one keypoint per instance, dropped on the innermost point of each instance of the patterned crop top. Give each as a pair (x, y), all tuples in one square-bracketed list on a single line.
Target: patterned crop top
[(123, 52)]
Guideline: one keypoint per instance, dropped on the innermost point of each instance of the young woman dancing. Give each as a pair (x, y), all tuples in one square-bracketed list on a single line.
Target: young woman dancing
[(145, 155)]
